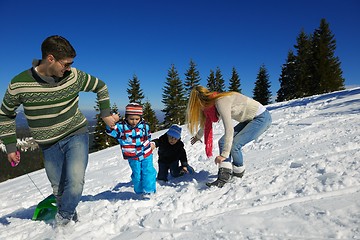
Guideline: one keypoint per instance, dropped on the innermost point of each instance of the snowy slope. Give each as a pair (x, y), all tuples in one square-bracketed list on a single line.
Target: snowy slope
[(302, 181)]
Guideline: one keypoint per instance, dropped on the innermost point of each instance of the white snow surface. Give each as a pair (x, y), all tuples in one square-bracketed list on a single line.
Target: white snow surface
[(302, 181)]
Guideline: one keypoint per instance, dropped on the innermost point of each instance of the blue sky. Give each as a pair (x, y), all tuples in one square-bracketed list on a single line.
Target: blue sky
[(116, 39)]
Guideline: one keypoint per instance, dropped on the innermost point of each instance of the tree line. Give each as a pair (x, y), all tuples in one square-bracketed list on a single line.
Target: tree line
[(311, 68)]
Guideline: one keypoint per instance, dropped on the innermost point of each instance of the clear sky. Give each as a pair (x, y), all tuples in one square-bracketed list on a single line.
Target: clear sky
[(116, 39)]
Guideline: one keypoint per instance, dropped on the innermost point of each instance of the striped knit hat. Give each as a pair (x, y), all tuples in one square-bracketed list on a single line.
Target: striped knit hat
[(174, 131), (134, 109)]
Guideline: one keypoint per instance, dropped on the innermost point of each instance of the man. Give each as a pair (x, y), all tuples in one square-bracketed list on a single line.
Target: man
[(49, 93)]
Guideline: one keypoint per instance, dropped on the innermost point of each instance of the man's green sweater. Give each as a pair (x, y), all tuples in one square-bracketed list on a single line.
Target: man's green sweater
[(51, 108)]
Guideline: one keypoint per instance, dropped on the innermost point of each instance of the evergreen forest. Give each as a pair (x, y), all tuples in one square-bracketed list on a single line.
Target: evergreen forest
[(310, 68)]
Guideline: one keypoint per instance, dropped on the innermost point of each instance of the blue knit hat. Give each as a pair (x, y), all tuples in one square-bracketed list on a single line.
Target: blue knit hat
[(174, 131)]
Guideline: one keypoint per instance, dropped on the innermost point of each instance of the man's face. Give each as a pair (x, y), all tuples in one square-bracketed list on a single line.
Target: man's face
[(59, 67)]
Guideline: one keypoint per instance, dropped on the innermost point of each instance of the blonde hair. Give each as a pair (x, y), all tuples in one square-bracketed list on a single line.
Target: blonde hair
[(200, 98)]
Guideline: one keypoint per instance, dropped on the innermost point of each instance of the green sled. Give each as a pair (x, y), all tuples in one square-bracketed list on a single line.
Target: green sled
[(46, 209)]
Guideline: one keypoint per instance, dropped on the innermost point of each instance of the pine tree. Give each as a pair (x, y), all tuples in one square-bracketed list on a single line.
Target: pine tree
[(261, 90), (135, 93), (211, 81), (192, 78), (304, 80), (101, 139), (115, 108), (173, 99), (234, 81), (219, 81), (326, 68), (287, 79), (150, 117)]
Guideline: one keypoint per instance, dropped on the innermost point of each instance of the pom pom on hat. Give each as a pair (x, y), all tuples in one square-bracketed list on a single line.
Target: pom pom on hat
[(134, 109), (174, 131)]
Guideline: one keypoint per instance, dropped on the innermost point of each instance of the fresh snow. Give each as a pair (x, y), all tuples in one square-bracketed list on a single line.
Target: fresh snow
[(302, 181)]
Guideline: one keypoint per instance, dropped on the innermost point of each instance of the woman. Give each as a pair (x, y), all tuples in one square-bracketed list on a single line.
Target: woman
[(206, 107)]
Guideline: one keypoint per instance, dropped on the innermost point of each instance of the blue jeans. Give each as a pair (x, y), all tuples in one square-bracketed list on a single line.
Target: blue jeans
[(65, 164), (143, 175), (244, 133)]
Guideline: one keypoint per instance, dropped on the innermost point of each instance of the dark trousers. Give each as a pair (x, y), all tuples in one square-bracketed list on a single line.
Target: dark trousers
[(175, 170)]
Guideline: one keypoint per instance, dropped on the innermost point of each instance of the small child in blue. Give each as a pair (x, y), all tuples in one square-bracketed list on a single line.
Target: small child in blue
[(133, 135)]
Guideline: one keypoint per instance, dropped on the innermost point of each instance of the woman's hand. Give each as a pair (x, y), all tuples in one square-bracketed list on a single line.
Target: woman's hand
[(194, 140), (219, 159)]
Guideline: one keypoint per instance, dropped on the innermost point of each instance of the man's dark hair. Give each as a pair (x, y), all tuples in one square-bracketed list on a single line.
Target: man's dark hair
[(57, 46)]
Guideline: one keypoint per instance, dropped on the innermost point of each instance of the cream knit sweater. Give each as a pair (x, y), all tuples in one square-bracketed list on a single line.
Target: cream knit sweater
[(236, 107)]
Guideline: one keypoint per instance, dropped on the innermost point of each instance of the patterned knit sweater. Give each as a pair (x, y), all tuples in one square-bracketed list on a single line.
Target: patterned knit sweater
[(51, 109)]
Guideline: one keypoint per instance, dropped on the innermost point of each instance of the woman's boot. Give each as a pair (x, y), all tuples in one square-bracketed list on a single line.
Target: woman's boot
[(238, 171), (224, 175)]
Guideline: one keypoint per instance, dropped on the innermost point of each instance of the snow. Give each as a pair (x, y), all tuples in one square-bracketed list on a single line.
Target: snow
[(302, 181)]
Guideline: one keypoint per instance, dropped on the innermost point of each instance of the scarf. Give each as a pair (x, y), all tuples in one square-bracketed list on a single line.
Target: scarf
[(211, 115)]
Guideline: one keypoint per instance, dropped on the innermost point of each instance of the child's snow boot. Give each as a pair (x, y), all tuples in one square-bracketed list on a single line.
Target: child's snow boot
[(145, 196)]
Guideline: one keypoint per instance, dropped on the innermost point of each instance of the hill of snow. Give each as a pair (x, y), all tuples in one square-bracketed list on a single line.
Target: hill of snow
[(302, 181)]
